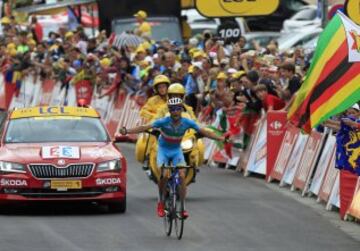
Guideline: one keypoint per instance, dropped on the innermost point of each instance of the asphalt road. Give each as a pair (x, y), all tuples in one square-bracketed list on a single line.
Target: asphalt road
[(227, 212)]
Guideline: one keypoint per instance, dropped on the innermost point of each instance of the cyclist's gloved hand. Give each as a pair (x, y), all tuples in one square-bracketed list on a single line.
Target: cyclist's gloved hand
[(123, 131)]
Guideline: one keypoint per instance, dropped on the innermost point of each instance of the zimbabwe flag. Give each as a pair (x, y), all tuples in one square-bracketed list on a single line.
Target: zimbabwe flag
[(332, 83)]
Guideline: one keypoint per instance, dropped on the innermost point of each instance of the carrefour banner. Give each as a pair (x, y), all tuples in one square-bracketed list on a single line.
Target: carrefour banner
[(230, 8)]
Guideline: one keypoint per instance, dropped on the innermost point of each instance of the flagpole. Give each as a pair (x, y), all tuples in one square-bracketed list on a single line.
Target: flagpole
[(324, 12)]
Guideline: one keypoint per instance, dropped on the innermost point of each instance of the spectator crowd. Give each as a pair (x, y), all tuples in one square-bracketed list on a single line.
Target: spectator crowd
[(221, 79)]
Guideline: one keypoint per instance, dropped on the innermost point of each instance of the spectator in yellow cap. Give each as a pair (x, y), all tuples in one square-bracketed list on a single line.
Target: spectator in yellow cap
[(69, 35), (144, 27), (6, 23), (218, 96), (140, 53)]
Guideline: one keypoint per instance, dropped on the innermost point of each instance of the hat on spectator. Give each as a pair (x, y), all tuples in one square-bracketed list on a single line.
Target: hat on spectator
[(193, 41), (69, 34), (224, 61), (31, 42), (59, 40), (141, 14), (192, 51), (198, 54), (221, 75), (195, 64), (5, 20), (198, 65), (238, 74), (11, 46), (231, 71), (356, 106), (140, 49), (105, 62)]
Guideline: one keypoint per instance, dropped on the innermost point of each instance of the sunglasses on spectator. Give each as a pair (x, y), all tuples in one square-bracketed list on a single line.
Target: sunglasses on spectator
[(175, 108)]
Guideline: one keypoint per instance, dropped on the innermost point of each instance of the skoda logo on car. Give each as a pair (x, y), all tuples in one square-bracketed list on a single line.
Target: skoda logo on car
[(61, 162)]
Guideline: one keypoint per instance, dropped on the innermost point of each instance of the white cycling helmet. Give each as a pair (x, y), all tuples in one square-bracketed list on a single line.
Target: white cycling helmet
[(175, 101)]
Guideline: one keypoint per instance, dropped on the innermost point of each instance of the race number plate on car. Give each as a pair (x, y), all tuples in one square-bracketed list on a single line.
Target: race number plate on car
[(66, 184)]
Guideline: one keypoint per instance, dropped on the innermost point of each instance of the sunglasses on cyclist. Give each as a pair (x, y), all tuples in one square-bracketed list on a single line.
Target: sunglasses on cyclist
[(175, 108)]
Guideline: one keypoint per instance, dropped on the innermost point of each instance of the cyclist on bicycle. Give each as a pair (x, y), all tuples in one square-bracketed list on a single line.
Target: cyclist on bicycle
[(172, 129)]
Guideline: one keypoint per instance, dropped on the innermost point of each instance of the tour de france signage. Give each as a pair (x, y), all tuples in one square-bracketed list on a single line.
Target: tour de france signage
[(230, 8), (352, 9)]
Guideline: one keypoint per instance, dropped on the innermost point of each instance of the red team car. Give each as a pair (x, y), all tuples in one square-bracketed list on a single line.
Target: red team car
[(60, 153)]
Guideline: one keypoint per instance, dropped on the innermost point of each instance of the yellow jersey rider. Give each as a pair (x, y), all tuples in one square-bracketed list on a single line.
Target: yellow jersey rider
[(175, 90), (172, 129), (150, 109)]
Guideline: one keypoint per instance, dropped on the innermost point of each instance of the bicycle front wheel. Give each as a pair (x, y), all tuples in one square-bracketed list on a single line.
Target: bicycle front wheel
[(178, 219), (168, 219)]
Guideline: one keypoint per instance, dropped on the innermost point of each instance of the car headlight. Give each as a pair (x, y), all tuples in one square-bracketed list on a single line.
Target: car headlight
[(10, 167), (187, 144), (112, 165)]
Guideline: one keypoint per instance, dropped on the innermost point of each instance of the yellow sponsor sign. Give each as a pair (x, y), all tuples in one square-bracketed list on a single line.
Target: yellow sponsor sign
[(66, 184), (51, 111), (228, 8), (352, 9)]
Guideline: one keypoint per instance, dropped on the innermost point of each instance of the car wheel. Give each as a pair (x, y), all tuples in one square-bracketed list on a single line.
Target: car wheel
[(117, 207)]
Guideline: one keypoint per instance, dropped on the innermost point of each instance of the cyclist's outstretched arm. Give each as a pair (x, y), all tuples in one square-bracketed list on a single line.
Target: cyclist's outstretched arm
[(135, 130), (211, 135)]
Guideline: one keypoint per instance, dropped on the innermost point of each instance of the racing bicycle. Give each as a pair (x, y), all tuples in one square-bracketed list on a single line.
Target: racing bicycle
[(174, 205)]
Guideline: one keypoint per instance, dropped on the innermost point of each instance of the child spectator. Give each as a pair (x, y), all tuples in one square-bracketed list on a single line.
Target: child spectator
[(270, 102)]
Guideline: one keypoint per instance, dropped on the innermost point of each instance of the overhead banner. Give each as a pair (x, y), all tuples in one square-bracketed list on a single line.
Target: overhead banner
[(352, 10), (231, 8)]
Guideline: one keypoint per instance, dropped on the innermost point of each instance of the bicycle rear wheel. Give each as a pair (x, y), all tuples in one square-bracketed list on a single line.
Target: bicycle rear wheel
[(168, 218), (178, 219)]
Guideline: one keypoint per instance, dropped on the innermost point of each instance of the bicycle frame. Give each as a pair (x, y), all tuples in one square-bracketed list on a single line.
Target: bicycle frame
[(174, 206)]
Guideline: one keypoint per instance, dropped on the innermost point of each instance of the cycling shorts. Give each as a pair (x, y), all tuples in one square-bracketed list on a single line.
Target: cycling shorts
[(166, 155)]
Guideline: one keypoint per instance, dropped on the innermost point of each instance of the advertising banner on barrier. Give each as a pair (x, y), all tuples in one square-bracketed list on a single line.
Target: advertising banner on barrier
[(257, 159), (348, 183), (242, 165), (308, 161), (294, 160), (327, 152), (328, 181), (2, 93), (117, 112), (354, 209), (334, 198), (276, 128), (285, 151), (47, 91)]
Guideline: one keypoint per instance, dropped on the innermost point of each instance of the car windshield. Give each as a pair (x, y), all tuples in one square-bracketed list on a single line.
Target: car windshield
[(55, 129), (161, 28)]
